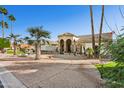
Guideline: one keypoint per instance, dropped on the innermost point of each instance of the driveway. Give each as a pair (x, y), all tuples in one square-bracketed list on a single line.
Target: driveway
[(55, 74)]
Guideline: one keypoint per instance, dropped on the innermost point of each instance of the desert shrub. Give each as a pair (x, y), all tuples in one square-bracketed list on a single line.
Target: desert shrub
[(89, 52)]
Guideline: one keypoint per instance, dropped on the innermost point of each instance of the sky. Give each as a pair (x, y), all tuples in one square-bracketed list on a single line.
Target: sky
[(60, 19)]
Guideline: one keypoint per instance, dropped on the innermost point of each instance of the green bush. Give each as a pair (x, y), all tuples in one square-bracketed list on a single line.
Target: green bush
[(10, 51), (4, 43), (113, 73), (89, 52), (116, 49)]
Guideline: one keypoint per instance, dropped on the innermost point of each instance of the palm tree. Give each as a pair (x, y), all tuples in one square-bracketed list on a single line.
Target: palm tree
[(38, 34), (44, 42), (16, 40), (26, 39), (101, 26), (5, 25), (92, 30), (12, 19), (3, 11)]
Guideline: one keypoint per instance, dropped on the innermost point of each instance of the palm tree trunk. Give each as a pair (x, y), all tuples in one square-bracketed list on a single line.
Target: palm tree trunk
[(14, 53), (11, 28), (92, 30), (2, 25), (37, 51), (101, 26), (11, 34)]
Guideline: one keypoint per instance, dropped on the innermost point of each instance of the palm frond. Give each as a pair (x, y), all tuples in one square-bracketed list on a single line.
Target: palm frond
[(38, 33), (6, 25), (3, 10), (12, 18)]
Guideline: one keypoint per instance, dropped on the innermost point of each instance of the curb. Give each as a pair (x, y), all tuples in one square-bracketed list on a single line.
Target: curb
[(9, 80)]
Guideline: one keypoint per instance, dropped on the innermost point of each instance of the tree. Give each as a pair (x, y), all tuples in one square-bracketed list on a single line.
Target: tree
[(92, 30), (44, 42), (5, 26), (26, 39), (38, 34), (16, 40), (116, 49), (101, 26), (4, 43), (12, 19), (3, 11)]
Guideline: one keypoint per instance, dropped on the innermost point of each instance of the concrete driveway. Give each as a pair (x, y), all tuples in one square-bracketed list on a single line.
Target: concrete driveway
[(55, 75), (50, 73)]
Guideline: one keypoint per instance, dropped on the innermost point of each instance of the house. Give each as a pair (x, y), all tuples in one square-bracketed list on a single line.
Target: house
[(69, 43)]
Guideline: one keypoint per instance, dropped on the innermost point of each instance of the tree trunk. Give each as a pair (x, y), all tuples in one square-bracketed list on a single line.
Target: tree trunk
[(14, 53), (2, 25), (92, 30), (11, 34), (101, 26), (37, 51), (11, 28)]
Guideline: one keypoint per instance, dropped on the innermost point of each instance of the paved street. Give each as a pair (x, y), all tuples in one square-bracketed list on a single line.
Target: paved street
[(49, 73)]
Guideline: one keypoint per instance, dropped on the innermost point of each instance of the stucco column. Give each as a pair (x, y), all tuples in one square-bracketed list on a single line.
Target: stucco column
[(71, 48), (59, 47), (74, 47), (64, 46)]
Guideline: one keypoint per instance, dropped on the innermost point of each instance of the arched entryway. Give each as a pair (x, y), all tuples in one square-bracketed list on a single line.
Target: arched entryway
[(61, 46), (68, 46)]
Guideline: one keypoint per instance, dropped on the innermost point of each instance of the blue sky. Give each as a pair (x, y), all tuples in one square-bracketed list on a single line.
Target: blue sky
[(60, 19)]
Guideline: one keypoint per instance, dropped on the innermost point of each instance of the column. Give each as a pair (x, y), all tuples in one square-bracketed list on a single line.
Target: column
[(64, 46)]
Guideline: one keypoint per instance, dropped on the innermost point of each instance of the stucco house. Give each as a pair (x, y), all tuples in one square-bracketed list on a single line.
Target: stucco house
[(69, 43)]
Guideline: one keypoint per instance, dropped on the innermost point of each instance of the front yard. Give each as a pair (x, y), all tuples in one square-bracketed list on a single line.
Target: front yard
[(113, 73)]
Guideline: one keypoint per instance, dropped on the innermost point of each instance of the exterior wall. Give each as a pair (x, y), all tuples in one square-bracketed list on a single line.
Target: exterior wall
[(89, 45), (48, 48), (81, 42), (65, 38), (88, 38)]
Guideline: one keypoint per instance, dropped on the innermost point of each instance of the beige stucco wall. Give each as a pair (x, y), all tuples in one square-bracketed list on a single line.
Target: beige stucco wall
[(65, 38), (82, 41)]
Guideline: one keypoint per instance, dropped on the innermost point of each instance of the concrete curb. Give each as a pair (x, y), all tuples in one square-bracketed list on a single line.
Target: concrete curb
[(9, 80)]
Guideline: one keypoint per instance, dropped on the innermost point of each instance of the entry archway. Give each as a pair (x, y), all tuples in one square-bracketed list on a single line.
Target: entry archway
[(61, 46), (68, 45)]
